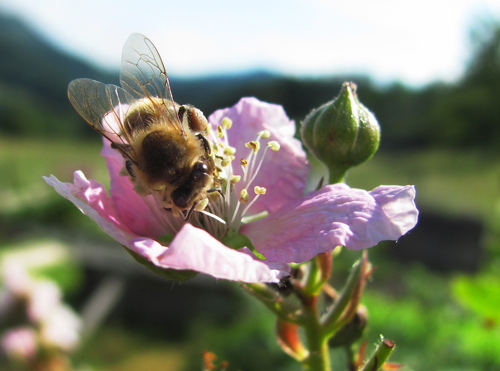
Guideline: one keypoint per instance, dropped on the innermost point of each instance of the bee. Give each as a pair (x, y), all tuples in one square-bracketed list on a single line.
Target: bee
[(163, 144)]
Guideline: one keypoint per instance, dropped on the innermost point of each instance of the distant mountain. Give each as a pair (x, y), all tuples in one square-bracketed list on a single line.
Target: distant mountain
[(33, 82), (34, 76), (30, 62)]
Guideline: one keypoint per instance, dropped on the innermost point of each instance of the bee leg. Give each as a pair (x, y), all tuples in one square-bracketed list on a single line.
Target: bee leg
[(206, 143), (188, 215)]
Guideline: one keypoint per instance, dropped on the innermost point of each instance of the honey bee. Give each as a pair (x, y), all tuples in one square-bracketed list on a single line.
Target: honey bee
[(163, 144)]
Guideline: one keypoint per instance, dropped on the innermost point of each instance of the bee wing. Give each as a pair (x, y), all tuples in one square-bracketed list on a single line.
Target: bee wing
[(104, 107), (143, 75)]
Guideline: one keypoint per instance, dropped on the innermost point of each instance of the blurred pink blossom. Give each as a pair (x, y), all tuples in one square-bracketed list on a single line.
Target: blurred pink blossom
[(20, 343), (290, 227), (49, 320)]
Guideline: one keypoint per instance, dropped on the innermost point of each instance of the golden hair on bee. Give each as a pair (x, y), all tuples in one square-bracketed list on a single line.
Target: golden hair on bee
[(163, 144)]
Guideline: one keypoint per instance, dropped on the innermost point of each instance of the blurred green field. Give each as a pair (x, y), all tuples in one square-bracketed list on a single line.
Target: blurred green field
[(409, 304), (447, 181)]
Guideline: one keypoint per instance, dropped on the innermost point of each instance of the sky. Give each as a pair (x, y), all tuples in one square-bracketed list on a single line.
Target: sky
[(415, 42)]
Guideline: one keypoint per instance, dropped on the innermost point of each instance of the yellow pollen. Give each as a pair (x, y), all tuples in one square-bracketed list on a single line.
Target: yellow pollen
[(275, 146), (244, 162), (227, 123), (208, 129), (259, 190), (226, 161), (220, 132), (253, 145), (200, 206), (123, 172), (264, 134), (229, 151), (235, 179), (244, 196), (141, 190), (214, 196)]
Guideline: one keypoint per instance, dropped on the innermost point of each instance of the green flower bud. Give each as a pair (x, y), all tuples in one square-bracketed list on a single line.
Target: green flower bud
[(352, 331), (342, 133)]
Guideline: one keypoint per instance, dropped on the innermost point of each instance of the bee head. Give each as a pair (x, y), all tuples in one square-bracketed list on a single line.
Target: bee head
[(184, 196)]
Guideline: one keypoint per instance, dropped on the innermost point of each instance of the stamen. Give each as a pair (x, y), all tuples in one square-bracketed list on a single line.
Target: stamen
[(253, 145), (201, 205), (244, 162), (254, 173), (213, 216), (235, 179), (226, 161), (229, 151), (227, 123), (264, 134), (273, 145), (259, 190), (244, 196), (220, 131)]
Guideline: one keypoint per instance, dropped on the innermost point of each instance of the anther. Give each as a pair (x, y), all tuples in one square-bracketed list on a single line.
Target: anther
[(229, 151), (235, 179), (227, 123), (201, 205), (259, 190), (244, 196), (253, 145), (264, 134), (273, 145)]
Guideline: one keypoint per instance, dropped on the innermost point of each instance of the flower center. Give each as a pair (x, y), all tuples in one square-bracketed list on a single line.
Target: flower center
[(238, 192)]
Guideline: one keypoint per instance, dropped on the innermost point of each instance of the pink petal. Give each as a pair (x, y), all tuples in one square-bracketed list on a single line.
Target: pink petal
[(195, 249), (92, 200), (130, 207), (336, 215), (111, 122), (283, 173)]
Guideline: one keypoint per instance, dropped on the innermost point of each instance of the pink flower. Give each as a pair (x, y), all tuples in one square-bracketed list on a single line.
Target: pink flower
[(262, 209), (20, 343)]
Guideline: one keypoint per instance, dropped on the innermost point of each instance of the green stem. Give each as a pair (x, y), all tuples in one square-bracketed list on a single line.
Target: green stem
[(317, 343), (336, 174), (380, 355), (281, 306)]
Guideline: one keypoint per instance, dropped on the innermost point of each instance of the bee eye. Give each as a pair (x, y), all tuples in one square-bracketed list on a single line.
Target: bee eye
[(180, 200), (200, 167)]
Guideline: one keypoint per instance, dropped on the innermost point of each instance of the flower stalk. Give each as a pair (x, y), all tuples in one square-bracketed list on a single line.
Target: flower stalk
[(344, 320)]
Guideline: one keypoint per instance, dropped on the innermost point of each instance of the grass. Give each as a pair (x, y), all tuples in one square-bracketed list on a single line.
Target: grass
[(447, 181), (23, 162)]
